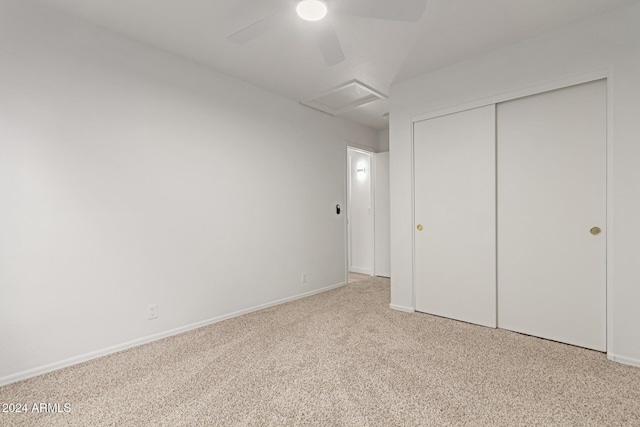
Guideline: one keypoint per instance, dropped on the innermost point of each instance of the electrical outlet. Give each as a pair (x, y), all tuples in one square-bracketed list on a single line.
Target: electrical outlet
[(152, 311), (303, 278)]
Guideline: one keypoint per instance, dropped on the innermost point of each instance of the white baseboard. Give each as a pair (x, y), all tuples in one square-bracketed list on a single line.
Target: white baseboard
[(150, 338), (402, 308), (623, 360)]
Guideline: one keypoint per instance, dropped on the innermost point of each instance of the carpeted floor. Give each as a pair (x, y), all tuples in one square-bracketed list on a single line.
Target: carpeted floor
[(339, 358)]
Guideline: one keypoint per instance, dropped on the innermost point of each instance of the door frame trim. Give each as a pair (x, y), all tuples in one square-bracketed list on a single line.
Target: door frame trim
[(570, 80)]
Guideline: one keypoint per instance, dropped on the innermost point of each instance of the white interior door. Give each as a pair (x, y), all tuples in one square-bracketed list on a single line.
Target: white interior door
[(382, 217), (551, 193), (360, 212), (455, 253)]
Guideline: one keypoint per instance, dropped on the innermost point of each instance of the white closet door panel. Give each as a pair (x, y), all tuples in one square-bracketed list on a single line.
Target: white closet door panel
[(455, 254), (551, 192)]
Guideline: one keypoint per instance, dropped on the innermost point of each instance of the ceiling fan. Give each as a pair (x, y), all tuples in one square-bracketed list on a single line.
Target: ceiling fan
[(318, 13)]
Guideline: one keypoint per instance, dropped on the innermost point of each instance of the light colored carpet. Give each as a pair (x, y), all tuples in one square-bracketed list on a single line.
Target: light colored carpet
[(356, 277), (339, 358)]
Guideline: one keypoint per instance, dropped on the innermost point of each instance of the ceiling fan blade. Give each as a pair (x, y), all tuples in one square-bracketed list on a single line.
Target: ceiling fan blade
[(258, 28), (329, 44), (395, 10)]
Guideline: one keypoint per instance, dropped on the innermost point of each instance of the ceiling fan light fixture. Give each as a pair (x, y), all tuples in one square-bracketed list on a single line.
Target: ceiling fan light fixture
[(311, 10)]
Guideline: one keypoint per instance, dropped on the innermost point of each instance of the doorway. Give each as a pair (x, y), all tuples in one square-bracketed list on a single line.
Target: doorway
[(360, 212)]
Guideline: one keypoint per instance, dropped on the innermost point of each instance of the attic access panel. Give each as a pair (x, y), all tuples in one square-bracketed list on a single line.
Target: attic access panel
[(345, 97)]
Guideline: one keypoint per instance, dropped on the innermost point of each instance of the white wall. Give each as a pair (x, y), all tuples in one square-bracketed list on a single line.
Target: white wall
[(383, 140), (130, 177), (361, 215), (609, 44), (382, 265)]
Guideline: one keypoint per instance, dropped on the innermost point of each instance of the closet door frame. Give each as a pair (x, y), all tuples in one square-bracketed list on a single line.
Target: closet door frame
[(601, 74)]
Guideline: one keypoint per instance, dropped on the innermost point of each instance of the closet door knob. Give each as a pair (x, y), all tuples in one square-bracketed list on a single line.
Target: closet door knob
[(595, 231), (420, 227)]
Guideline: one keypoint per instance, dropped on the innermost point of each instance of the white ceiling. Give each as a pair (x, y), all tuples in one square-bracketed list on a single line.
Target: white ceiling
[(287, 60)]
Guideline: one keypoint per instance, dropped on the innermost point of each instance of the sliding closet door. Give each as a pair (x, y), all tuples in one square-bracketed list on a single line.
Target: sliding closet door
[(455, 233), (551, 215)]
